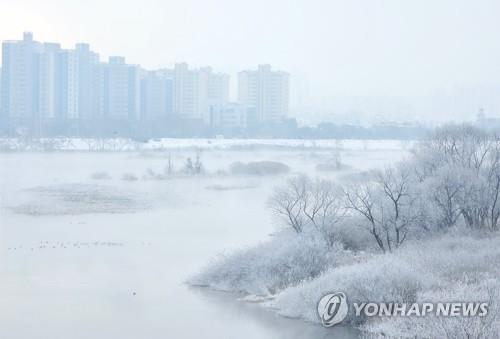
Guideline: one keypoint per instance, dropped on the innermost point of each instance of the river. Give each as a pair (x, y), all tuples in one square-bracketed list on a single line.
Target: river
[(102, 259)]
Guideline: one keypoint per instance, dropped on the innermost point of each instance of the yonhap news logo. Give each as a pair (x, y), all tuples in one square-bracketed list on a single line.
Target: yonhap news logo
[(333, 309)]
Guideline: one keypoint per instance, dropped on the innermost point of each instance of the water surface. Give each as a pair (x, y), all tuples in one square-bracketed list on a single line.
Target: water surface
[(84, 267)]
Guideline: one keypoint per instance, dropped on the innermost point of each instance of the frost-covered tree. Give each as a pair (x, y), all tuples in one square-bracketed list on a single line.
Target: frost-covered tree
[(323, 206), (198, 165), (193, 168), (169, 170), (387, 205), (302, 201), (440, 193), (188, 166), (287, 202), (459, 168)]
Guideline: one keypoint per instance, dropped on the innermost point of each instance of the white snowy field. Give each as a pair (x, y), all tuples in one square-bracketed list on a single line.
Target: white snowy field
[(119, 144), (108, 258)]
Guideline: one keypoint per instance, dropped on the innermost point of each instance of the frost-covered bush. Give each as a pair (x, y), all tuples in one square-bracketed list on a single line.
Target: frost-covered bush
[(101, 175), (270, 267), (334, 163), (129, 177), (354, 237), (449, 258), (380, 278), (193, 168), (483, 288), (259, 168), (150, 174), (217, 187), (410, 274), (405, 275), (329, 167)]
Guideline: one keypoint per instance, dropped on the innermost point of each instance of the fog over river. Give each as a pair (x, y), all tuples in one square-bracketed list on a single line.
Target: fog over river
[(87, 251)]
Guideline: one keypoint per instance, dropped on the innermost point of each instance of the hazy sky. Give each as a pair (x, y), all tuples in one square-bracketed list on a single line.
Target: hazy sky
[(371, 47)]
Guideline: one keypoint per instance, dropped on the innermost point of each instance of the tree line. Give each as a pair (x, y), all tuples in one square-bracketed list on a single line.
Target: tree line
[(451, 179)]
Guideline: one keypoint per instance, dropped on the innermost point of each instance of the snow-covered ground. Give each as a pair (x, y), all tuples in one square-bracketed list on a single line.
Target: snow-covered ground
[(93, 256), (80, 144)]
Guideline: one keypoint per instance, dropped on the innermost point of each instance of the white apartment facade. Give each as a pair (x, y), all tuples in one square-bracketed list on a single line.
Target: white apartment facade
[(266, 91), (86, 81), (121, 86), (19, 78), (48, 82), (43, 81), (156, 95), (196, 90)]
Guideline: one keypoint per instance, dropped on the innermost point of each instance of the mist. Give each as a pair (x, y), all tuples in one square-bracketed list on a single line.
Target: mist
[(386, 60), (249, 169)]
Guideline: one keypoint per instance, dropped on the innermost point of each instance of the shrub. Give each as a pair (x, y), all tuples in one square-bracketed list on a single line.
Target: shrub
[(410, 274), (259, 168), (380, 278), (484, 289), (150, 174), (129, 177), (333, 164), (270, 267), (100, 175)]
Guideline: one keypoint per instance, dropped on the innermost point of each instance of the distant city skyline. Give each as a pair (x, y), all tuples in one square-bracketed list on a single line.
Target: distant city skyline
[(50, 90), (336, 50), (47, 91)]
